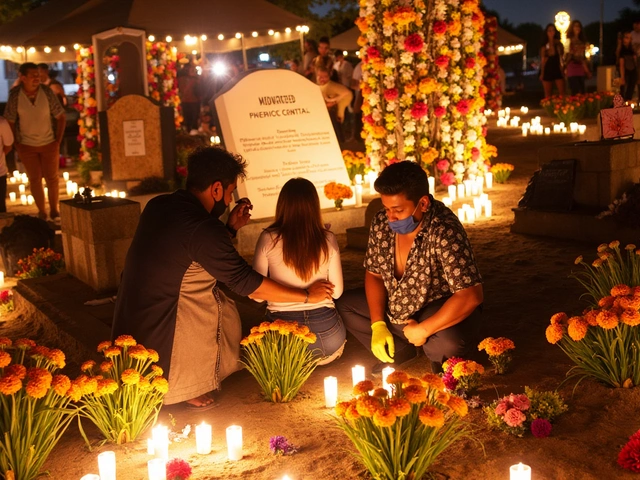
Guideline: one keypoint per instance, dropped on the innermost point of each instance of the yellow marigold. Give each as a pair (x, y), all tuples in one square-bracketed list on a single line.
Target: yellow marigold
[(160, 384), (352, 413), (5, 342), (309, 337), (630, 317), (467, 367), (38, 382), (106, 366), (397, 377), (301, 330), (138, 352), (428, 85), (61, 384), (130, 376), (24, 343), (263, 327), (414, 381), (87, 366), (554, 333), (105, 386), (341, 408), (90, 385), (559, 319), (577, 328), (103, 346), (367, 405), (57, 357), (458, 405), (125, 341), (415, 393), (16, 369), (433, 381), (431, 416), (443, 397), (399, 406), (614, 244), (590, 317), (153, 355), (607, 319), (10, 384), (5, 359), (620, 290), (485, 343), (75, 391), (156, 370), (603, 247), (384, 417), (363, 387), (112, 352), (380, 393)]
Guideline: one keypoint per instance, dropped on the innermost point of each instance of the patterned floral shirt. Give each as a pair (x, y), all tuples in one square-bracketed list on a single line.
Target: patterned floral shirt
[(439, 264)]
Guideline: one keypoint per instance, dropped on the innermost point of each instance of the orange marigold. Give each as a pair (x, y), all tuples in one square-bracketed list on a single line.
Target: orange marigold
[(352, 413), (90, 385), (301, 330), (607, 320), (145, 384), (106, 366), (367, 405), (554, 333), (103, 346), (61, 384), (5, 342), (631, 301), (467, 367), (614, 244), (57, 357), (363, 387), (380, 393), (590, 317), (156, 370), (75, 391), (10, 384), (87, 366), (125, 341), (112, 352), (24, 343), (433, 381), (415, 381), (431, 416), (38, 382), (458, 405), (16, 369), (153, 355), (106, 386), (160, 384), (309, 338), (415, 393), (577, 328), (559, 319), (397, 377), (636, 291), (399, 406), (341, 408), (620, 290), (384, 417), (443, 397), (130, 376), (5, 359), (138, 352), (603, 247), (630, 317), (39, 351)]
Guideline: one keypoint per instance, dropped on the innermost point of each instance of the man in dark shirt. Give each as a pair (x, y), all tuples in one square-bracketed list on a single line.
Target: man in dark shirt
[(422, 286), (169, 299)]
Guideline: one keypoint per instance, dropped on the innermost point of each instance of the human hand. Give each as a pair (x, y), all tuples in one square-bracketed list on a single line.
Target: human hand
[(381, 338), (320, 290), (330, 103), (241, 214), (621, 82), (415, 333)]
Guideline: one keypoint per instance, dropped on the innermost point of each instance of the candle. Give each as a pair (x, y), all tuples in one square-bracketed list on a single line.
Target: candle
[(234, 442), (25, 178), (91, 476), (460, 190), (474, 188), (483, 198), (520, 472), (107, 465), (46, 192), (13, 180), (487, 208), (357, 374), (65, 175), (452, 192), (524, 110), (471, 215), (525, 129), (16, 174), (330, 391), (150, 448), (386, 371), (461, 215), (121, 194), (157, 469), (1, 279), (477, 206), (12, 196), (447, 201), (547, 131), (358, 189), (203, 439), (23, 199), (488, 179), (467, 187), (114, 193), (160, 435), (432, 184), (372, 179), (358, 179), (22, 188), (30, 200)]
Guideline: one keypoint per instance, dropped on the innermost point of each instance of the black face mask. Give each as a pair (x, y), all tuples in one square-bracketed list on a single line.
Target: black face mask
[(218, 208)]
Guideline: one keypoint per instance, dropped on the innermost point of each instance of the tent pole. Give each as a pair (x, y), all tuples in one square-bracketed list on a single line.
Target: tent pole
[(244, 53)]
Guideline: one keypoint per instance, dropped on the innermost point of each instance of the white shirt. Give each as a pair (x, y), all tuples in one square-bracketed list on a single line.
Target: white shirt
[(268, 261), (6, 139), (35, 120), (356, 76)]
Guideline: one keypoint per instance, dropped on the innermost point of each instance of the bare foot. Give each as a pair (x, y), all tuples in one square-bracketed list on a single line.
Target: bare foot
[(201, 401)]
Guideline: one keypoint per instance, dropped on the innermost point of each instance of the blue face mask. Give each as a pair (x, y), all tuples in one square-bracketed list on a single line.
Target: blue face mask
[(406, 225)]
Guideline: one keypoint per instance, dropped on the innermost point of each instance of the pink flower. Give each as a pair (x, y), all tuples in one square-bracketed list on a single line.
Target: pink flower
[(501, 408), (514, 417), (443, 165), (447, 179), (463, 107), (442, 61), (391, 94), (541, 428), (440, 111), (413, 43), (521, 402), (419, 110)]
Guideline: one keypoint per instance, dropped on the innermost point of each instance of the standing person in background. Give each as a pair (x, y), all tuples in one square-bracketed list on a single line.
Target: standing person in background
[(48, 78), (356, 78), (324, 60), (627, 67), (310, 53), (344, 69), (189, 90), (296, 250), (576, 63), (29, 110), (551, 54), (6, 144)]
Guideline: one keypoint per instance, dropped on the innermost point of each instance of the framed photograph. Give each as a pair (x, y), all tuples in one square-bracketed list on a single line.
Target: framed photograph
[(616, 123)]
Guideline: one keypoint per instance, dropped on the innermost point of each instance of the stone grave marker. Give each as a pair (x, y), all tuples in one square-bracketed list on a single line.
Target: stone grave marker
[(278, 121)]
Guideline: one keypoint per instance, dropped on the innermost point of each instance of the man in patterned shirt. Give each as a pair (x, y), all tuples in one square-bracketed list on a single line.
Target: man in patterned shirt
[(422, 286)]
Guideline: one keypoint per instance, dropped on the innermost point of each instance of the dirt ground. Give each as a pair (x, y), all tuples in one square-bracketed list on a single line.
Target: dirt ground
[(526, 281)]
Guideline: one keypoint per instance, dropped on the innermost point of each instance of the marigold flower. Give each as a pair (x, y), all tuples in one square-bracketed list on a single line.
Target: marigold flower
[(367, 405), (630, 301), (106, 386), (57, 357), (630, 247), (103, 346), (606, 302), (433, 381), (106, 366), (590, 317), (10, 384), (160, 384), (458, 405), (397, 377), (431, 416), (352, 414), (443, 397), (597, 263), (630, 317), (399, 406), (465, 368), (5, 359), (5, 342), (554, 333), (614, 244), (16, 369), (24, 343), (38, 382), (603, 247), (90, 385), (112, 352), (301, 330), (559, 319), (607, 320), (415, 393), (156, 370), (61, 384), (125, 341), (87, 366), (130, 376), (363, 387), (384, 417), (144, 384), (75, 391), (138, 352), (380, 393), (264, 327), (309, 337), (577, 328), (153, 355), (341, 408), (620, 290), (578, 260)]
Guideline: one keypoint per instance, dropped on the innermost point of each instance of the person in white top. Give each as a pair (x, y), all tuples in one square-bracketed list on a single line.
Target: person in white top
[(296, 250), (6, 144)]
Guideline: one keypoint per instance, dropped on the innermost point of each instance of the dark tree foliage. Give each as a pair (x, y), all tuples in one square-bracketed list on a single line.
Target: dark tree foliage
[(12, 9)]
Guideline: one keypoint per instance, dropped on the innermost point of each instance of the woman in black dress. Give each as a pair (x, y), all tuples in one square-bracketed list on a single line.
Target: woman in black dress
[(551, 53)]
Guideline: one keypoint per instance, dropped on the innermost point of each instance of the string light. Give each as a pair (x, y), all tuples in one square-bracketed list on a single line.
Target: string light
[(76, 46), (254, 34), (238, 35), (63, 49), (169, 38), (288, 30), (20, 49), (221, 37), (32, 50), (203, 38), (271, 32), (152, 38)]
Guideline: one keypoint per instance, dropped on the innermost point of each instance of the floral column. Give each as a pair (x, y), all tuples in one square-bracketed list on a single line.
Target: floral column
[(491, 79), (162, 76), (87, 105), (396, 84)]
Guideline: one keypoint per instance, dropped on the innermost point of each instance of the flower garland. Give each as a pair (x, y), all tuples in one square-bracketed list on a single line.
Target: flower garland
[(457, 33), (396, 85), (111, 62), (493, 97), (86, 105), (162, 77)]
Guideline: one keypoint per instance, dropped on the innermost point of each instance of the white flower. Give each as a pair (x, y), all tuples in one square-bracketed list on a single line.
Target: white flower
[(389, 81), (88, 122), (410, 126), (391, 139), (455, 44), (442, 73), (457, 135), (409, 140), (468, 89), (421, 66), (472, 135), (455, 77), (406, 57), (391, 106), (376, 115), (390, 62), (445, 127), (467, 34), (455, 90), (455, 56), (445, 101), (387, 30), (458, 167), (374, 144), (459, 150), (445, 137), (374, 99)]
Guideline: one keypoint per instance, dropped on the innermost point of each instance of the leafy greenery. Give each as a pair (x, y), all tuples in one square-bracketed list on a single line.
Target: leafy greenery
[(42, 262), (85, 168)]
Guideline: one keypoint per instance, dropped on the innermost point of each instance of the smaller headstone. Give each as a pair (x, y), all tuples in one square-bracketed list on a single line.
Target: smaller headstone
[(18, 240), (551, 188)]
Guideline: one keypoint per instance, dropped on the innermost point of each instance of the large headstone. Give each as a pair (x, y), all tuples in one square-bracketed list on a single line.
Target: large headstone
[(278, 121), (137, 138)]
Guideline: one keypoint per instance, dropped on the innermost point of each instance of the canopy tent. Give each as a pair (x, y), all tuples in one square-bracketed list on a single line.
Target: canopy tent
[(205, 25)]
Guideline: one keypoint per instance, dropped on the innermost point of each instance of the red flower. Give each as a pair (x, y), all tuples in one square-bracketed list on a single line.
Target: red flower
[(439, 111), (373, 52), (419, 110), (463, 107), (484, 131), (447, 179), (90, 144), (475, 153), (178, 469), (182, 171), (5, 296), (629, 456), (413, 43), (442, 61), (439, 27), (391, 94), (368, 119), (443, 165), (470, 62), (541, 428)]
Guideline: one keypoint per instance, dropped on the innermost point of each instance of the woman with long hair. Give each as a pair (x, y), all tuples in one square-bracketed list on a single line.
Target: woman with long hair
[(551, 54), (296, 250), (577, 66)]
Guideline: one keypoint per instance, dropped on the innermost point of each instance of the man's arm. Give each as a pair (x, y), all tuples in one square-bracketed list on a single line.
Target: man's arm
[(376, 296), (13, 130)]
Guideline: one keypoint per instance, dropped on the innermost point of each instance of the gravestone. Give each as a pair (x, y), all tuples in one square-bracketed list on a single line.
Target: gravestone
[(138, 140), (551, 188), (278, 121)]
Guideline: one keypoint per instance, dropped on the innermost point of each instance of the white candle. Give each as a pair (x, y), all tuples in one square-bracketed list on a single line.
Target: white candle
[(547, 131), (358, 189), (460, 190), (75, 188), (22, 188), (432, 184), (1, 279), (357, 374), (114, 193), (16, 174), (358, 179), (157, 469), (30, 200), (483, 198), (330, 391), (91, 476), (65, 175), (203, 439), (23, 199), (121, 194), (524, 110), (461, 215), (525, 129), (520, 472), (107, 465), (46, 192), (477, 206), (507, 111), (12, 196), (582, 129), (386, 371), (25, 178), (474, 188), (150, 448), (13, 180), (452, 192), (234, 442), (487, 208), (160, 436), (488, 179), (471, 215), (447, 201), (372, 179)]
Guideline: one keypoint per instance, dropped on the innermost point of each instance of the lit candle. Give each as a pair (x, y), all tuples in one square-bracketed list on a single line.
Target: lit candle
[(157, 469), (525, 130), (91, 476), (234, 442), (330, 391), (358, 189), (386, 371), (25, 178), (474, 188), (121, 194), (483, 198), (114, 193), (467, 187), (358, 179), (203, 439), (12, 196), (22, 188), (520, 472), (30, 200), (488, 179), (477, 206), (372, 179), (23, 199), (13, 180), (107, 465), (471, 215), (1, 279), (447, 201), (432, 184), (547, 131), (524, 110), (582, 129), (460, 190), (65, 175), (150, 448), (286, 477), (160, 436), (357, 374), (46, 192), (16, 174), (461, 215), (487, 208), (452, 192)]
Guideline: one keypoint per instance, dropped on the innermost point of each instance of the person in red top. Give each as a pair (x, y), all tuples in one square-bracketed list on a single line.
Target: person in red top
[(189, 91)]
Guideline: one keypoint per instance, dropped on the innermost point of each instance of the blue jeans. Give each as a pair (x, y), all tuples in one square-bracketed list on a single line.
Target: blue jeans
[(324, 322)]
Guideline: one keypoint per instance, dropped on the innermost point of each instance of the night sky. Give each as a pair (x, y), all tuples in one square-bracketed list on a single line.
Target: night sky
[(544, 11)]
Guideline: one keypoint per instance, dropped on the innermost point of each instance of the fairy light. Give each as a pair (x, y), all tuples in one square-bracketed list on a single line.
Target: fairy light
[(32, 50), (152, 38), (63, 49), (254, 34), (168, 38), (76, 46), (203, 38), (221, 37), (20, 49), (271, 32), (238, 35), (288, 30)]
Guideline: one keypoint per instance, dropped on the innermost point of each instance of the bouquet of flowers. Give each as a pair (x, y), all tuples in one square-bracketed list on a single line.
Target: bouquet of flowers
[(178, 469), (276, 354), (461, 375), (43, 261), (499, 351), (128, 390), (400, 434), (501, 172), (279, 445), (629, 456), (514, 414), (6, 302), (34, 403), (570, 108), (356, 163), (337, 192)]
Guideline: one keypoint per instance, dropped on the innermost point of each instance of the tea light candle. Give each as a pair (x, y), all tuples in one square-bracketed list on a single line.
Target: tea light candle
[(65, 176), (160, 436), (525, 130), (25, 178), (157, 469), (22, 188), (461, 215), (386, 371), (487, 208), (582, 129), (107, 465), (330, 391), (16, 174), (358, 179), (13, 180), (547, 131), (488, 179), (452, 192), (203, 439), (234, 442), (23, 199), (30, 200), (524, 110), (460, 190), (432, 184), (358, 190), (12, 196), (121, 194), (114, 193), (46, 192), (357, 374), (150, 448), (520, 472)]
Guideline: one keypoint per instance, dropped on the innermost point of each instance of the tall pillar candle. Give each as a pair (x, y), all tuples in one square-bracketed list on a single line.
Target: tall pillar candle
[(487, 208), (386, 371), (357, 374), (358, 179), (234, 443), (107, 465), (358, 189), (160, 436), (461, 215), (90, 476), (432, 184), (452, 192), (372, 179), (203, 439), (460, 190), (488, 179), (447, 201), (330, 391), (12, 196), (157, 469)]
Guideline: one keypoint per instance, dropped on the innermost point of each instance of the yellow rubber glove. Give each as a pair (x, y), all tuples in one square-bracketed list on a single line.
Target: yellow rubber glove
[(381, 337)]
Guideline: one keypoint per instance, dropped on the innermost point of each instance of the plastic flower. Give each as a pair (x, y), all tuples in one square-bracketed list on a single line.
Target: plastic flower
[(384, 417), (541, 428), (431, 416), (130, 376), (363, 387), (10, 384), (514, 417)]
